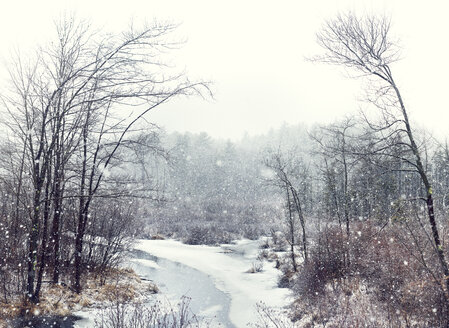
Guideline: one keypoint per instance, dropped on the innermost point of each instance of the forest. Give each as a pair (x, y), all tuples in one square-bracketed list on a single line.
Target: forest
[(354, 214)]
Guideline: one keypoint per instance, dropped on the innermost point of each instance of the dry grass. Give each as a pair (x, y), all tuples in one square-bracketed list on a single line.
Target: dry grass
[(157, 237), (113, 285)]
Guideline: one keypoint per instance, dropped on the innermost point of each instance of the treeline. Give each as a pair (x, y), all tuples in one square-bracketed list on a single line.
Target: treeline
[(212, 191), (330, 168), (72, 124)]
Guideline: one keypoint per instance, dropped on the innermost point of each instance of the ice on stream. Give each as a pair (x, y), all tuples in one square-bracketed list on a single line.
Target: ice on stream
[(228, 271)]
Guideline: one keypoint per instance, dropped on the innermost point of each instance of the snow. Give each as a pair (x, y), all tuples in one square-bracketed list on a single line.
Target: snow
[(211, 311), (228, 271), (148, 263)]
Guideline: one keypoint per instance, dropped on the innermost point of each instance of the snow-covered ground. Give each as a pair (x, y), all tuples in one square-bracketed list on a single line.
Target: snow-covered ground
[(228, 270)]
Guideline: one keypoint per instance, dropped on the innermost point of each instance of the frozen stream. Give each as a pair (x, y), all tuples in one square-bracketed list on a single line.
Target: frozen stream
[(215, 278), (176, 280), (226, 267)]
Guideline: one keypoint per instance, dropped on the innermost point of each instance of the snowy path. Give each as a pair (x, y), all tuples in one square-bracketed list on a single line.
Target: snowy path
[(227, 270)]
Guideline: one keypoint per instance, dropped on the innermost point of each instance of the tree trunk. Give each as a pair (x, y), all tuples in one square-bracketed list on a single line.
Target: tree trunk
[(439, 247), (292, 230), (57, 212), (429, 200), (302, 221), (78, 255), (81, 214), (42, 263), (33, 244)]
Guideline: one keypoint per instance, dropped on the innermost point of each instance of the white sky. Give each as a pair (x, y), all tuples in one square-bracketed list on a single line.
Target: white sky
[(253, 51)]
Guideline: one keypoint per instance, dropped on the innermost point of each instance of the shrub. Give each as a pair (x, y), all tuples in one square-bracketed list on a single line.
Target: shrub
[(207, 235), (386, 266), (271, 318), (279, 241), (326, 263), (256, 267), (157, 314)]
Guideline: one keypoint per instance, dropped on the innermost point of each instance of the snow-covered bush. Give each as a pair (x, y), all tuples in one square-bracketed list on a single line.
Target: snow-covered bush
[(256, 266), (279, 241)]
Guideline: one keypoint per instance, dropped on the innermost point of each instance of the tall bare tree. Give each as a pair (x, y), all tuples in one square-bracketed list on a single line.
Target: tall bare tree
[(77, 103), (364, 45)]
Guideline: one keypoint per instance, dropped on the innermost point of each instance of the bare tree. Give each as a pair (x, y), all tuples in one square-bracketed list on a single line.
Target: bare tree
[(121, 73), (287, 170), (335, 148), (336, 152), (74, 106), (364, 45)]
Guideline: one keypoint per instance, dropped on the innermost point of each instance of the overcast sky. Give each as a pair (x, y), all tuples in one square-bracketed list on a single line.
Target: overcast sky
[(254, 52)]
